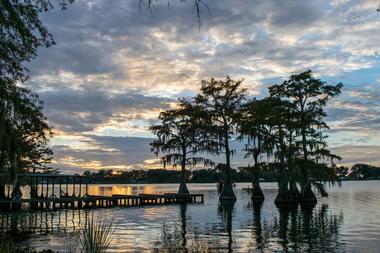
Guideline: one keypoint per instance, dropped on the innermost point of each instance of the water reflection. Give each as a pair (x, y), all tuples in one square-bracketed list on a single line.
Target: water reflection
[(173, 236), (295, 229), (213, 226), (306, 229), (26, 225), (226, 209), (257, 225)]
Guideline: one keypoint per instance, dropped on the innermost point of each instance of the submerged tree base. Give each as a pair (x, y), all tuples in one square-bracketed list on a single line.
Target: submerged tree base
[(287, 207), (307, 195), (183, 188), (295, 194), (284, 200), (227, 193), (257, 194), (308, 198), (284, 197)]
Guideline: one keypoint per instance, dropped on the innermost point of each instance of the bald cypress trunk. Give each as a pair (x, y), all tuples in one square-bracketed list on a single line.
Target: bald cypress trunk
[(283, 195), (294, 192), (307, 194), (257, 193), (183, 187), (227, 191)]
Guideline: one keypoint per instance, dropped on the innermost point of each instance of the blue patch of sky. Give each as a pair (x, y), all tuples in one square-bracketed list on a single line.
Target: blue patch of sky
[(356, 78)]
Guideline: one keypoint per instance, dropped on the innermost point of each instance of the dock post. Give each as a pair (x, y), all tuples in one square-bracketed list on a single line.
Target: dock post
[(47, 187), (42, 188), (73, 186), (67, 187), (80, 186), (53, 184), (60, 186), (86, 187), (37, 187)]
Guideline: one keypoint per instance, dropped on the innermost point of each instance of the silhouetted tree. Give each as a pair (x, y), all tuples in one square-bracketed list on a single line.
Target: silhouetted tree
[(309, 96), (22, 33), (364, 171), (254, 126), (24, 132), (280, 124), (23, 128), (178, 137), (222, 102)]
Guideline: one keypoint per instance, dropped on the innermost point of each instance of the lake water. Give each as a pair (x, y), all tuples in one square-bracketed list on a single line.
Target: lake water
[(347, 221)]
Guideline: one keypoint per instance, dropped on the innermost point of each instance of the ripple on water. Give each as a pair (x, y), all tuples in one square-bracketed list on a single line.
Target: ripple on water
[(347, 221)]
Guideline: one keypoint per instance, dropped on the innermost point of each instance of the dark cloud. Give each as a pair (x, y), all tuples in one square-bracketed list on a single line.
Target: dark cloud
[(115, 65), (82, 110), (109, 151), (118, 153), (297, 14)]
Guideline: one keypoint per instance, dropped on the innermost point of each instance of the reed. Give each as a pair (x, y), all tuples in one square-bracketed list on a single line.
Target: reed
[(94, 237), (6, 246)]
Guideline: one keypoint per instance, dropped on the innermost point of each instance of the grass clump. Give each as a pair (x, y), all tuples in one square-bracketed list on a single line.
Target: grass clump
[(94, 237)]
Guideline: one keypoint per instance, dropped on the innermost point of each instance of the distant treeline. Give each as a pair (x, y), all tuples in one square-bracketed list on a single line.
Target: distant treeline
[(357, 172), (164, 176)]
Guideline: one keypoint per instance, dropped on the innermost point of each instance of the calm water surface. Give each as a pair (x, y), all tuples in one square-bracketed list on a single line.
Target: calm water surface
[(347, 221)]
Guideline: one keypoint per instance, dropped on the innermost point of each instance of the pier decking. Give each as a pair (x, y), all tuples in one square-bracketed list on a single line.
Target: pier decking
[(43, 197), (102, 201)]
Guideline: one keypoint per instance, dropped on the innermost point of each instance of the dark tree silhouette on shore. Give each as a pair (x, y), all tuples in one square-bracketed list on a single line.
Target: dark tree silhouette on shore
[(222, 101), (23, 128), (24, 133), (178, 138), (22, 33)]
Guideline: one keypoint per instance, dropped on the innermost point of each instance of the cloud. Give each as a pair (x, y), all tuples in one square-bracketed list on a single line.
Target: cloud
[(115, 66), (118, 153), (103, 152), (74, 110), (359, 154)]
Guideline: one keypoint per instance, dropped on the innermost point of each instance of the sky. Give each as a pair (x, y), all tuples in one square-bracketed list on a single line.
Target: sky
[(116, 65)]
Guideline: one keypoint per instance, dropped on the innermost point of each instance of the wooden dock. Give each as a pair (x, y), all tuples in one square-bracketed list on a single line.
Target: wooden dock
[(44, 195), (92, 201)]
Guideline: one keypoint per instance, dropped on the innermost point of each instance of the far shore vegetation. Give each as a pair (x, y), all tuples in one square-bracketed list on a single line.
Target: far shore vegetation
[(210, 175)]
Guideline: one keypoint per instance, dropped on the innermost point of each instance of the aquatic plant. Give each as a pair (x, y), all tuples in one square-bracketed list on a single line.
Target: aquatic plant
[(94, 237), (6, 246)]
